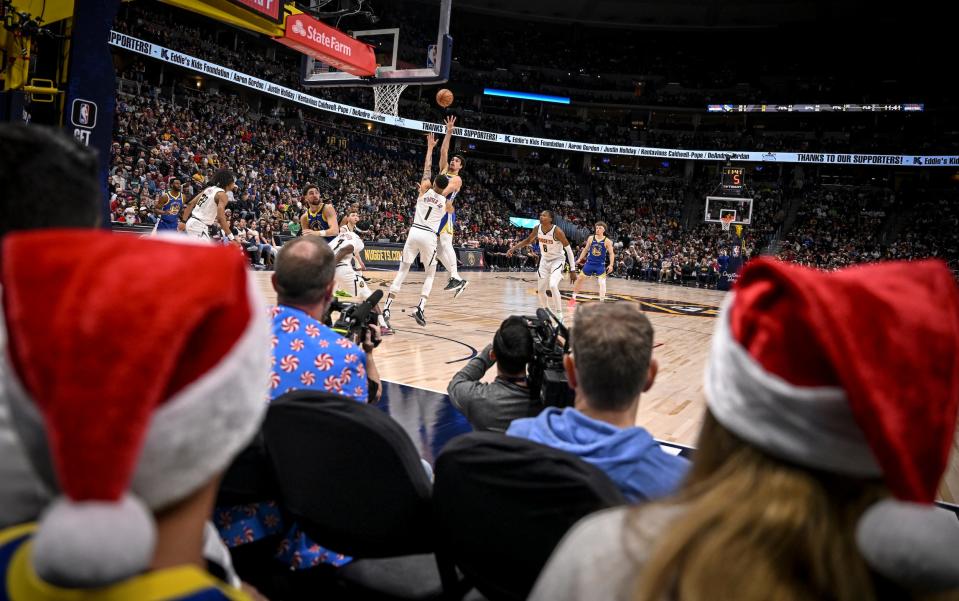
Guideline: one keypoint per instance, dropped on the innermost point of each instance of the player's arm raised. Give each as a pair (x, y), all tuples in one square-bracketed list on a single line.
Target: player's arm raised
[(426, 179), (529, 240), (445, 147), (612, 255)]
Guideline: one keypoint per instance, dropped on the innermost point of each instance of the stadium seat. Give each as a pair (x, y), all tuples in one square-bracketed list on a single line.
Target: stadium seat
[(352, 479), (503, 504)]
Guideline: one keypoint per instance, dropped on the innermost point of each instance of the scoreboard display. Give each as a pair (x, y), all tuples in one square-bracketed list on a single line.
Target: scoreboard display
[(733, 178)]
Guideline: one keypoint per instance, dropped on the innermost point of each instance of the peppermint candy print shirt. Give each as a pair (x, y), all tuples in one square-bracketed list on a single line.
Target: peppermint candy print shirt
[(307, 355)]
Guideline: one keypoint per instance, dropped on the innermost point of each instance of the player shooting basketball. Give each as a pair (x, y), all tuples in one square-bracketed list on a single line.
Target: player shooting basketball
[(445, 252)]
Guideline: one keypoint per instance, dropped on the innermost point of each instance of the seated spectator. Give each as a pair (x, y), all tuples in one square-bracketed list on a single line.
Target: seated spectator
[(610, 366), (828, 395), (134, 425), (46, 166), (307, 355), (494, 405)]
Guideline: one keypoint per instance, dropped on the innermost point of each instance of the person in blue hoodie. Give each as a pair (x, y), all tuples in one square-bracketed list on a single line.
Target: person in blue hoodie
[(610, 366)]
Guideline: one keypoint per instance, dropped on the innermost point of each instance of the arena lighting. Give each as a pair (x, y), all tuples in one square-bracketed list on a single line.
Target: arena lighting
[(208, 69), (524, 222), (815, 108), (525, 96)]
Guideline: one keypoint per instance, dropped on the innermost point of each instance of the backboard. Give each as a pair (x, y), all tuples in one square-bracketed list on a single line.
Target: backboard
[(407, 46), (717, 206)]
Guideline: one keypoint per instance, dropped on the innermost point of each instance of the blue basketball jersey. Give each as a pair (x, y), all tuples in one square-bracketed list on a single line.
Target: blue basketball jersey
[(597, 252), (317, 222), (448, 222), (171, 203)]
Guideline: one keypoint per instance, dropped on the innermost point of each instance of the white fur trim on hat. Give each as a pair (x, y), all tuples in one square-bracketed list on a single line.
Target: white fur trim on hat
[(912, 544), (810, 426), (93, 543), (198, 431), (193, 435)]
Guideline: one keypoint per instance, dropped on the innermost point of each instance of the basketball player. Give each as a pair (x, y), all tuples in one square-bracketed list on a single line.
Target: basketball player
[(451, 169), (599, 249), (552, 244), (207, 207), (346, 246), (319, 219), (169, 206), (421, 240)]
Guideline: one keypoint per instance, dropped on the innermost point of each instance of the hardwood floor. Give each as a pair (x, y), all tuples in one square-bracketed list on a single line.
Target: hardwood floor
[(683, 319)]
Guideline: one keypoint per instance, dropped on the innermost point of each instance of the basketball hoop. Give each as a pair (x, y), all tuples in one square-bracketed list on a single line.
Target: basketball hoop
[(386, 97), (726, 221)]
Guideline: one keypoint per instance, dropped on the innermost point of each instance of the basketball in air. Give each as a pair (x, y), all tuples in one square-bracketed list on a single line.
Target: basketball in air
[(444, 98)]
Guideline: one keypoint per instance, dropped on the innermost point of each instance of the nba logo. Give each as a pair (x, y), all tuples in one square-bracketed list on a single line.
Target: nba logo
[(84, 113)]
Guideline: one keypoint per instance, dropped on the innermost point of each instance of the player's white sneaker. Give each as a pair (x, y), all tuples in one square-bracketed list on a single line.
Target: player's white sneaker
[(386, 319), (460, 288)]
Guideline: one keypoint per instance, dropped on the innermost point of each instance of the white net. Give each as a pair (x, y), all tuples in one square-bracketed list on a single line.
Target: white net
[(726, 221), (386, 97)]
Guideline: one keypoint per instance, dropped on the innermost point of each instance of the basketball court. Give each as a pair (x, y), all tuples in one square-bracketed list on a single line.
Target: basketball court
[(425, 359)]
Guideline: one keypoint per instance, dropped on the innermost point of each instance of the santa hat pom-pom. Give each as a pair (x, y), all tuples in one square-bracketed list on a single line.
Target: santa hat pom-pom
[(912, 544), (90, 544)]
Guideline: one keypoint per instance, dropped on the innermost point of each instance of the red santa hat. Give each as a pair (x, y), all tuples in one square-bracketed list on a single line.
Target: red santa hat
[(854, 372), (136, 370)]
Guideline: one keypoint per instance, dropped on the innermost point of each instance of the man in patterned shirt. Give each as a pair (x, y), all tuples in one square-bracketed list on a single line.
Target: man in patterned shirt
[(306, 353)]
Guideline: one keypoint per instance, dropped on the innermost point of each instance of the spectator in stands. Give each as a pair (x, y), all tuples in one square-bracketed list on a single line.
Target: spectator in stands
[(138, 463), (39, 168), (610, 366), (802, 450), (309, 354), (494, 405), (306, 355), (45, 180)]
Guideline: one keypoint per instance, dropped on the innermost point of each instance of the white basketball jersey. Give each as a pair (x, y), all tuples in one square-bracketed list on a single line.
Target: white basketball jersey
[(346, 237), (205, 209), (549, 247), (430, 208)]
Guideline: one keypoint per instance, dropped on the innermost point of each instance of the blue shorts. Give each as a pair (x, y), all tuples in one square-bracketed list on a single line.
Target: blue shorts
[(594, 269), (168, 224)]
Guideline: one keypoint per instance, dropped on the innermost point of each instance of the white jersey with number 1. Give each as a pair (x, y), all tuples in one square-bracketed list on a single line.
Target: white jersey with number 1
[(430, 209), (347, 237)]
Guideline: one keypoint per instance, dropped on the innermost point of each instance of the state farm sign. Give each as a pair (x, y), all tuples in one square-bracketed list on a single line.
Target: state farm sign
[(329, 45)]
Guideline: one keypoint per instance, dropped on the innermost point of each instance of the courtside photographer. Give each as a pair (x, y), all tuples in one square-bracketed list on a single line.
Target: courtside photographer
[(492, 406)]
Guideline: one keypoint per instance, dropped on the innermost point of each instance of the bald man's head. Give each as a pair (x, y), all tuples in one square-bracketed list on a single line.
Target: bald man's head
[(304, 271)]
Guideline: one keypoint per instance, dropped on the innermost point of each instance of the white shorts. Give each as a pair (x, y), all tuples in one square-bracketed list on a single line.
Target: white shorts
[(422, 243), (552, 269), (446, 239), (347, 279), (196, 228)]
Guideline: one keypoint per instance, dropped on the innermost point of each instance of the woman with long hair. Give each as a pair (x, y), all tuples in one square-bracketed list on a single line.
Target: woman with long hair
[(832, 402)]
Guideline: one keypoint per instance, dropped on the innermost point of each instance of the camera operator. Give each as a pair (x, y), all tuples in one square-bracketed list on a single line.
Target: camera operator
[(308, 354), (493, 406)]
